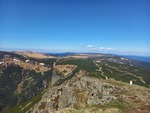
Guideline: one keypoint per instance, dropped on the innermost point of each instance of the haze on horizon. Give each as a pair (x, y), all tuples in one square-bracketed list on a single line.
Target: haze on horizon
[(104, 26)]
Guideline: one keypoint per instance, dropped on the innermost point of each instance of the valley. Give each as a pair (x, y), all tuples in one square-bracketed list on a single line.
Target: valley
[(100, 83)]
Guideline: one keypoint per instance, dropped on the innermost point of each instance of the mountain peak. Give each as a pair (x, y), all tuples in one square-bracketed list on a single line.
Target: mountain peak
[(89, 94)]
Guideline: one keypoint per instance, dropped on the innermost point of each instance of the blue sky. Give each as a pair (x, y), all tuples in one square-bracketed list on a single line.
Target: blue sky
[(107, 26)]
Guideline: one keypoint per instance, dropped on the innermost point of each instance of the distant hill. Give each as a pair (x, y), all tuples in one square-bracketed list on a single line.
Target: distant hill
[(34, 54), (140, 58), (35, 82), (62, 54)]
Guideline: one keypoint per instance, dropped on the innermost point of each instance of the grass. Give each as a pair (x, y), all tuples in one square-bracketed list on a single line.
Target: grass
[(93, 109), (117, 83), (85, 64), (123, 74), (120, 104), (23, 107), (88, 65), (96, 75)]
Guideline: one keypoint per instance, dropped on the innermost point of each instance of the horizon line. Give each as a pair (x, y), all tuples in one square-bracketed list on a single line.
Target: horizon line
[(77, 51)]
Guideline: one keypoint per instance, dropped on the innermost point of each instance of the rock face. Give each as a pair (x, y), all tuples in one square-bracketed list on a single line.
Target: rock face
[(76, 93)]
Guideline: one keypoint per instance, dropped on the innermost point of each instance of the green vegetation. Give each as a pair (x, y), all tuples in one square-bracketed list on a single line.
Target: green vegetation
[(96, 74), (85, 64), (29, 81), (12, 76), (23, 107), (8, 84), (121, 72), (121, 105), (48, 62), (62, 80), (12, 55), (125, 73), (33, 82)]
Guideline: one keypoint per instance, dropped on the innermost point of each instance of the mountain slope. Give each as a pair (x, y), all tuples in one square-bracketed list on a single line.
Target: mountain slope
[(115, 67), (140, 58), (21, 78), (67, 83), (88, 94)]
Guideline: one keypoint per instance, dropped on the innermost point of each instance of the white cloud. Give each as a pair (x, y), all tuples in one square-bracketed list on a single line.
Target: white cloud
[(100, 48), (109, 48), (90, 46), (103, 48)]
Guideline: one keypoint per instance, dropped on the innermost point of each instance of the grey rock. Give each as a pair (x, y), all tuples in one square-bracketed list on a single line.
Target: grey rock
[(76, 93)]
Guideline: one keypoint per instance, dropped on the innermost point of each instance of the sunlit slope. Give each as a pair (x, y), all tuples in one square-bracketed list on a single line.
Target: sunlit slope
[(112, 67), (22, 77)]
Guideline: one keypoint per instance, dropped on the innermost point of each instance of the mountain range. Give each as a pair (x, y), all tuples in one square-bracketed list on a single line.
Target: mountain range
[(32, 82)]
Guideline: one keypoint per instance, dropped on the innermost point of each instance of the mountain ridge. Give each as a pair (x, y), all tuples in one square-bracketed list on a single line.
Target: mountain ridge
[(39, 76)]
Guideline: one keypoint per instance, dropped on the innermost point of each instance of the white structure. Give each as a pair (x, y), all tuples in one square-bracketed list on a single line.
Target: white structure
[(16, 60), (42, 64), (1, 62), (27, 60), (106, 77), (131, 82), (54, 64), (24, 56)]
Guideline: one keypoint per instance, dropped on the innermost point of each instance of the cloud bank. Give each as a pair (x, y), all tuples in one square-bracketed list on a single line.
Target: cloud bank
[(90, 46), (100, 48)]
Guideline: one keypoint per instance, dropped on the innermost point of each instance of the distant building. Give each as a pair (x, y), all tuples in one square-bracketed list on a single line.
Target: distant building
[(24, 56), (27, 60), (106, 78), (42, 64), (15, 60), (1, 62), (131, 82)]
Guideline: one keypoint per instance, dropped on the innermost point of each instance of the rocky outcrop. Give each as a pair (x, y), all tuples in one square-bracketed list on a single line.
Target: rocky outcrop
[(68, 85), (76, 93)]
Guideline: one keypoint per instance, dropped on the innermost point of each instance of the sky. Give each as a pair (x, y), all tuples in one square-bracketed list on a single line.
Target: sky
[(100, 26)]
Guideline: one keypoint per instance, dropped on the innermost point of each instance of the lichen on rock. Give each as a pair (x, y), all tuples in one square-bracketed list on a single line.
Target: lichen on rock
[(77, 93)]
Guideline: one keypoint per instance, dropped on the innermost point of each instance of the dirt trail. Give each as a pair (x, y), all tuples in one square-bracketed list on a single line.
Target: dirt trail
[(138, 77), (100, 69)]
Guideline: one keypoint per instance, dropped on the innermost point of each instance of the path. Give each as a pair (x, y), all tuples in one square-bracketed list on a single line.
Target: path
[(100, 69)]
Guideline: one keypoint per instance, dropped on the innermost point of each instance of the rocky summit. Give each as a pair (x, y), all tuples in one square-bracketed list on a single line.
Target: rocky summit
[(91, 95)]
